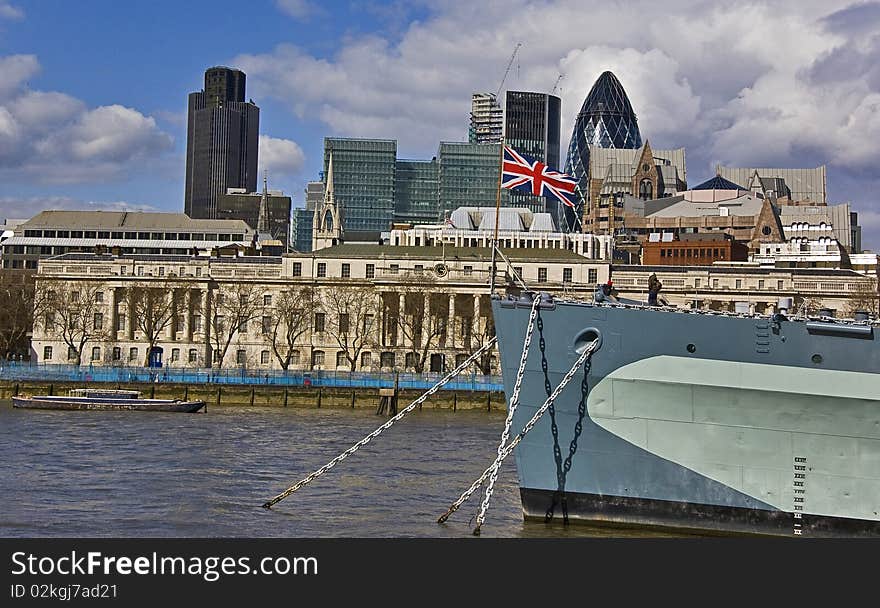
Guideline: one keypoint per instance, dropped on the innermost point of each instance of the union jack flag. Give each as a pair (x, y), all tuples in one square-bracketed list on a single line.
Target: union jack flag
[(526, 174)]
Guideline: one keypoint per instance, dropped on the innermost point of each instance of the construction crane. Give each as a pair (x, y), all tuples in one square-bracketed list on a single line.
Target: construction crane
[(507, 71), (555, 86)]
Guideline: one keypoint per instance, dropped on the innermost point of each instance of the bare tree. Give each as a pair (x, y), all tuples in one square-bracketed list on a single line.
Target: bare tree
[(288, 320), (482, 334), (153, 308), (16, 312), (352, 318), (863, 297), (422, 321), (74, 311), (233, 306)]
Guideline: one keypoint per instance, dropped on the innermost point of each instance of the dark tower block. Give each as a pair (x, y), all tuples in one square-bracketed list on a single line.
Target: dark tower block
[(222, 142)]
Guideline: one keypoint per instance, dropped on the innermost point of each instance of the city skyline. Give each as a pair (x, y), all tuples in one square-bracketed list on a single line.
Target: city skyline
[(103, 124)]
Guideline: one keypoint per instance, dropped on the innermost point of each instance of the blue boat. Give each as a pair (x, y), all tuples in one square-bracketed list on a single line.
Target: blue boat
[(714, 423)]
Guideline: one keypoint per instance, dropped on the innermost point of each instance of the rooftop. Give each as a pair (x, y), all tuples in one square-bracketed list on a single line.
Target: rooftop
[(479, 254), (130, 219)]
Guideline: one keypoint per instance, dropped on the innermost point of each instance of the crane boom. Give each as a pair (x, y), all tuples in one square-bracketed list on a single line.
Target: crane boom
[(507, 71), (555, 86)]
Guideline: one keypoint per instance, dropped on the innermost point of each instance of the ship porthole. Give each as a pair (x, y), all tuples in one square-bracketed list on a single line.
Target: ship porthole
[(817, 358), (691, 348), (585, 337)]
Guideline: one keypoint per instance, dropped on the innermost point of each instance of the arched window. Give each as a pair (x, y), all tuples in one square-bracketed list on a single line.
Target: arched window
[(328, 221), (646, 190)]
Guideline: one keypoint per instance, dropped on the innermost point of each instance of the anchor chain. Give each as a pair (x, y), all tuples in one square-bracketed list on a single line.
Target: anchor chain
[(588, 352), (268, 504), (514, 401), (554, 429), (508, 449)]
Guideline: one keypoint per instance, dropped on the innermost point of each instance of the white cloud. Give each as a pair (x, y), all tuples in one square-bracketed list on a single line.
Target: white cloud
[(280, 157), (27, 207), (47, 136), (298, 9), (8, 11)]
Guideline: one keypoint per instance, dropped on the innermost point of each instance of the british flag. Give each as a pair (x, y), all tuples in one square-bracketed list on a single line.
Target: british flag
[(526, 174)]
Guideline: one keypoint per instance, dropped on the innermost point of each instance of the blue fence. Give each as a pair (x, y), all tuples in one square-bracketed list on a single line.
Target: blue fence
[(72, 373)]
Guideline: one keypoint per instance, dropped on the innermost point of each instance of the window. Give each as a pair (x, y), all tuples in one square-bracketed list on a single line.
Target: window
[(241, 356), (366, 360), (697, 282), (267, 300), (319, 322), (343, 323), (175, 354), (161, 271), (220, 323), (760, 283), (411, 360), (592, 275), (419, 268), (542, 275), (99, 296), (267, 325), (739, 284), (566, 275), (518, 270), (133, 353), (371, 271), (322, 269), (340, 359), (466, 326), (216, 355), (47, 353), (243, 299), (646, 190), (198, 271), (264, 357), (779, 284), (468, 270), (193, 355), (714, 283), (317, 358), (294, 357), (98, 321), (394, 268), (346, 271), (386, 359), (243, 327), (71, 354), (117, 353), (197, 323), (297, 269), (368, 323)]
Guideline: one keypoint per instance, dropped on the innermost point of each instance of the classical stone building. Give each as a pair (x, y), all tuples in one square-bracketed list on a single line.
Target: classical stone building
[(348, 307)]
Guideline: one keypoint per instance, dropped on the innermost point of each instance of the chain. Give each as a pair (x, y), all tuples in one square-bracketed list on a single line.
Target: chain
[(554, 429), (588, 351), (374, 434), (514, 401)]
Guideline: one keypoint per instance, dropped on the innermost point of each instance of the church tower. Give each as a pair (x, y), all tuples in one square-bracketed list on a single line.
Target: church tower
[(327, 222)]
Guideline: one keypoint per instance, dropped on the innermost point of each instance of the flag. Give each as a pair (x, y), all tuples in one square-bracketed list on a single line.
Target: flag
[(449, 222), (523, 173)]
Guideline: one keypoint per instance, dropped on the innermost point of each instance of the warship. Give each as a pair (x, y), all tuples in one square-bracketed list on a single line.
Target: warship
[(697, 421)]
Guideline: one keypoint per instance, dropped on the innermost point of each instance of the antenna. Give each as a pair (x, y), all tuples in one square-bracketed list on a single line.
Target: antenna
[(507, 71)]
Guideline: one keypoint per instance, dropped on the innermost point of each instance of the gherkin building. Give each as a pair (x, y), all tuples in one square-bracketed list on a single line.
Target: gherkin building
[(606, 120)]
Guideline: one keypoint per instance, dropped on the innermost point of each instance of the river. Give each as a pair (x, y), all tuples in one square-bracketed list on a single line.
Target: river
[(143, 474)]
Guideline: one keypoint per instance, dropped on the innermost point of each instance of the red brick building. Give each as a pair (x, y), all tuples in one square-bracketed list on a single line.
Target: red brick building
[(694, 250)]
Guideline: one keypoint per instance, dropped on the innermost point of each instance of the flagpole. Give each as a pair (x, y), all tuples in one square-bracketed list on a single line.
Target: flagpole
[(497, 213)]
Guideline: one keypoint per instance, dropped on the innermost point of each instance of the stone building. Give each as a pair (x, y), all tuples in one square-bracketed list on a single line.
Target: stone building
[(347, 307)]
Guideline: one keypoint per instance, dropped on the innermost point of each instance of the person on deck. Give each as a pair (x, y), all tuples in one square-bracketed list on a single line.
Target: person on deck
[(603, 293), (654, 287)]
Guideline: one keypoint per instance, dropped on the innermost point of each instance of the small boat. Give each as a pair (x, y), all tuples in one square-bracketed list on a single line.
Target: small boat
[(105, 399)]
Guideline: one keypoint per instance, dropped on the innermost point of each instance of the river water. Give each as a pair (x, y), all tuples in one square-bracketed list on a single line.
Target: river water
[(143, 474)]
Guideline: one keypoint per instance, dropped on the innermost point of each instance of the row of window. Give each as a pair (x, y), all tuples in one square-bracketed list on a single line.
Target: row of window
[(140, 236), (700, 252)]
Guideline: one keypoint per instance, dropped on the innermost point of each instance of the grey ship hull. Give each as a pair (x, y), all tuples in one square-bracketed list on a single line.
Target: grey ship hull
[(710, 423)]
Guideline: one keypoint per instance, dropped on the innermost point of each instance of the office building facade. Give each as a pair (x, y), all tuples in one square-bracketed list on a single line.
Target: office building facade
[(487, 120), (222, 142)]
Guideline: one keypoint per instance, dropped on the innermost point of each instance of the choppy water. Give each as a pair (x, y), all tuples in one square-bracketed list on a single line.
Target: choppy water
[(142, 474)]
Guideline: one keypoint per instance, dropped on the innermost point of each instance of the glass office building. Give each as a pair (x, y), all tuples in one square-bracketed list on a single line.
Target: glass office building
[(606, 120), (469, 176), (531, 126), (363, 180), (416, 184)]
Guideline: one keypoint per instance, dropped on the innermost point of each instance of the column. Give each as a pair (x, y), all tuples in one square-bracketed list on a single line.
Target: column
[(400, 309), (476, 327), (450, 323), (426, 319)]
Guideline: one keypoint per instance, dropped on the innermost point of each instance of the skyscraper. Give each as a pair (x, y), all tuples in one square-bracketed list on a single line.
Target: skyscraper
[(606, 120), (221, 143), (487, 119), (531, 126)]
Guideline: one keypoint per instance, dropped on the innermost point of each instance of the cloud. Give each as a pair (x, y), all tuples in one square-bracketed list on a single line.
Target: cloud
[(298, 9), (280, 157), (8, 11), (51, 137), (27, 207)]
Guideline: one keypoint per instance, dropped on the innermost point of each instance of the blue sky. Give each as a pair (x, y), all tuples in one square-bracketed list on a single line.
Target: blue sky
[(93, 93)]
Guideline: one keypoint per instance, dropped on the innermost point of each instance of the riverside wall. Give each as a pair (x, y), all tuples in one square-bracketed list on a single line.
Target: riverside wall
[(275, 396)]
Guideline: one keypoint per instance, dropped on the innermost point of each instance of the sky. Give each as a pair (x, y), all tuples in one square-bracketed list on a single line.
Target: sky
[(93, 94)]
